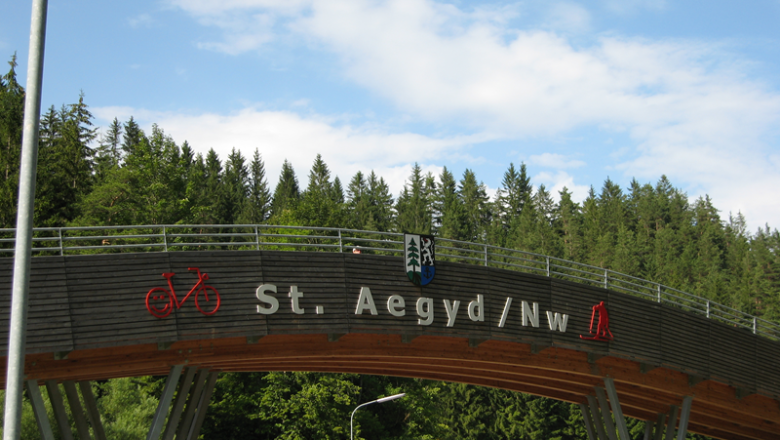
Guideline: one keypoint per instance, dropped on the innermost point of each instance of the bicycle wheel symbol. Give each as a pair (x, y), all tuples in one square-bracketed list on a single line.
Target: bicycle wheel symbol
[(210, 302)]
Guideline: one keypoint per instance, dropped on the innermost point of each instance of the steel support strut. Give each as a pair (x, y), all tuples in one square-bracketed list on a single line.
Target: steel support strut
[(203, 405), (39, 410), (602, 398), (165, 402), (58, 407), (600, 410), (620, 421), (192, 405), (92, 411), (178, 404), (674, 411), (586, 417), (659, 426), (598, 420), (76, 410), (685, 414)]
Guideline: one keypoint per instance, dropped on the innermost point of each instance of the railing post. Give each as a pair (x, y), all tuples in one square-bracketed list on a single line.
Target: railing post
[(62, 252), (257, 237), (165, 239), (755, 325), (606, 279), (548, 265), (708, 308), (486, 256), (341, 247), (659, 293)]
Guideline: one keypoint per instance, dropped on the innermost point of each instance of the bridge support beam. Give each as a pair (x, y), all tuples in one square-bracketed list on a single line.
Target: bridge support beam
[(598, 421), (192, 405), (188, 410), (659, 427), (82, 428), (203, 405), (83, 419), (58, 406), (620, 420), (685, 414), (587, 417), (39, 410), (672, 423), (92, 412), (666, 431), (178, 404), (165, 402)]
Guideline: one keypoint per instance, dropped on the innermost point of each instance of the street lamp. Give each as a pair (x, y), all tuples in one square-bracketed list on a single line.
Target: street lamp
[(382, 400)]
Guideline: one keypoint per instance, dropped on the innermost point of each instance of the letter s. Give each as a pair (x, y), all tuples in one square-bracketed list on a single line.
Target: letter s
[(268, 299)]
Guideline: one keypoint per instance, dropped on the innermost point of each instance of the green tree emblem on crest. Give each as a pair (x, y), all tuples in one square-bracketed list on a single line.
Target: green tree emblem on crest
[(413, 255)]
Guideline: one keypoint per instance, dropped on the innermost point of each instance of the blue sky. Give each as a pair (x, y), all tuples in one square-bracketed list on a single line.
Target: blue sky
[(579, 91)]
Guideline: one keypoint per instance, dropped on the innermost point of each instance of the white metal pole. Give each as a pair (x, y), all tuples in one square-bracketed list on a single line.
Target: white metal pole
[(23, 250)]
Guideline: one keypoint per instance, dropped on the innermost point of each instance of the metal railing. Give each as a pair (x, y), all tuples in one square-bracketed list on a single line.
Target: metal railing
[(168, 238)]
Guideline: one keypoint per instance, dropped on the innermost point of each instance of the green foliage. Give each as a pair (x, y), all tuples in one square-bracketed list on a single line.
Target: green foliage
[(415, 204), (11, 117), (286, 194), (129, 177), (127, 406), (258, 204)]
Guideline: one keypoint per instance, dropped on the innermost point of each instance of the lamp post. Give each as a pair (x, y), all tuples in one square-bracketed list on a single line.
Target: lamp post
[(382, 400)]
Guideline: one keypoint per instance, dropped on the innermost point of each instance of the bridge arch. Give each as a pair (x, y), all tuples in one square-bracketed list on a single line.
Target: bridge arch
[(89, 320)]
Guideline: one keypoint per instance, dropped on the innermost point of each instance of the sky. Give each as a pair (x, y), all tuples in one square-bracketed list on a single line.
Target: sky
[(578, 91)]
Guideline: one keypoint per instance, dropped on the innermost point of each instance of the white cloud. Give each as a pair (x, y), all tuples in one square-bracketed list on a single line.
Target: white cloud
[(632, 6), (142, 20), (567, 17), (280, 135), (688, 106), (553, 160), (561, 179)]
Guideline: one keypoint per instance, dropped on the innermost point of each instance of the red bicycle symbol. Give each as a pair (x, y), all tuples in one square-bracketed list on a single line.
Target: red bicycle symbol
[(160, 301)]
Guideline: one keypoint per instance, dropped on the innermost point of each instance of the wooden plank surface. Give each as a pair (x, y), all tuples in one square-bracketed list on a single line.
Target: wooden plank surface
[(99, 301)]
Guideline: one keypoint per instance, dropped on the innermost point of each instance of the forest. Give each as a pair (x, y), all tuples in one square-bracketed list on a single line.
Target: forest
[(123, 175)]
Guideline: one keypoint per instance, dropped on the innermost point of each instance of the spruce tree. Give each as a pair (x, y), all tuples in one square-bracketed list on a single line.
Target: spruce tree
[(109, 152), (258, 206), (215, 188), (11, 120), (132, 136), (158, 184), (321, 204), (337, 191), (569, 226), (286, 194), (545, 211), (515, 192), (476, 212), (236, 181), (50, 183), (380, 201), (319, 177), (197, 207), (77, 134), (450, 215), (358, 205), (414, 204)]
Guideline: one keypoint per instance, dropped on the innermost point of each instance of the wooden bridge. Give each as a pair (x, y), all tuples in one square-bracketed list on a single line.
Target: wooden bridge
[(93, 317)]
